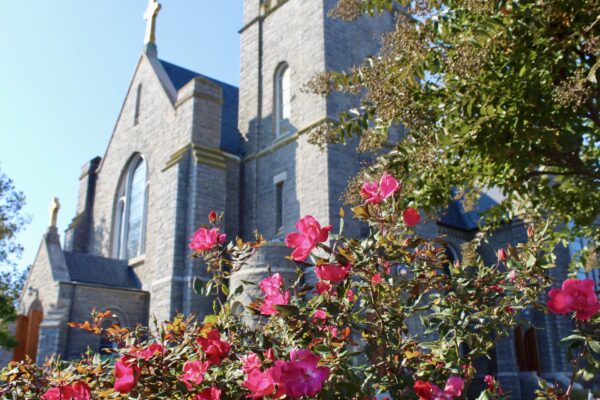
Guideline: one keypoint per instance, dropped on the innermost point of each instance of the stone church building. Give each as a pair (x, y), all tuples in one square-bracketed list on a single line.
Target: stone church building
[(185, 144)]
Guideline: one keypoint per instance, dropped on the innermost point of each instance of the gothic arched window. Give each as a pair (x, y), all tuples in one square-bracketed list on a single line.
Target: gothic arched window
[(130, 211), (283, 98)]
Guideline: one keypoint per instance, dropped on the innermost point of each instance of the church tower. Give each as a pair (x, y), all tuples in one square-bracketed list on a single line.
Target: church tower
[(284, 44)]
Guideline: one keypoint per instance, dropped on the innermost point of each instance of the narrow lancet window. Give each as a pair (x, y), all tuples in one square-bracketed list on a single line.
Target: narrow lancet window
[(283, 98), (138, 100)]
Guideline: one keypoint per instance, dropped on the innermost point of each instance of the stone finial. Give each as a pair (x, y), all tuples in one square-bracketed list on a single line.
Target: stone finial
[(54, 207), (150, 17)]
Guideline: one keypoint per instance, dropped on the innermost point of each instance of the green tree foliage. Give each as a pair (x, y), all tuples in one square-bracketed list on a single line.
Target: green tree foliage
[(11, 281), (492, 93)]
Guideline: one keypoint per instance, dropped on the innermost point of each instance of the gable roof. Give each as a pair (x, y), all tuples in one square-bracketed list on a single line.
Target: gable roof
[(230, 136), (86, 268)]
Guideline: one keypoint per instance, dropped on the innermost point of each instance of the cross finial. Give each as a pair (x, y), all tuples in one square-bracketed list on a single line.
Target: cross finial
[(150, 17), (54, 207)]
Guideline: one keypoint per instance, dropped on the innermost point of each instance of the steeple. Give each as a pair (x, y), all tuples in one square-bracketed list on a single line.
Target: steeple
[(150, 17)]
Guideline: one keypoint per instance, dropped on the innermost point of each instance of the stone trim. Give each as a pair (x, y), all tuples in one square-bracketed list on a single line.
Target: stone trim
[(285, 140), (91, 285), (202, 155), (197, 95), (265, 10)]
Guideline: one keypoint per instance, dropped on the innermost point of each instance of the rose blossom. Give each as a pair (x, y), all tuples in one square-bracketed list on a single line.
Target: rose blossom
[(377, 192), (428, 391), (193, 373), (333, 273), (212, 393), (214, 348), (147, 352), (502, 255), (271, 287), (250, 363), (75, 391), (260, 384), (205, 239), (306, 239), (125, 376), (212, 216), (301, 376), (411, 217), (376, 279), (423, 389), (454, 386), (323, 287), (575, 296)]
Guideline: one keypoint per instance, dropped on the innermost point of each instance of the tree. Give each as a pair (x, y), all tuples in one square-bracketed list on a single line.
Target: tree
[(493, 94), (11, 281)]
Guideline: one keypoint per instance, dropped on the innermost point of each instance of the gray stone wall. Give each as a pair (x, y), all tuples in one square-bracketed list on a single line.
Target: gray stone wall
[(130, 307)]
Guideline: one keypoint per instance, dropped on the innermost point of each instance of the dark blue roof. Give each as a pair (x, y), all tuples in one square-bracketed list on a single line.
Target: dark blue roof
[(86, 268), (457, 217), (230, 137)]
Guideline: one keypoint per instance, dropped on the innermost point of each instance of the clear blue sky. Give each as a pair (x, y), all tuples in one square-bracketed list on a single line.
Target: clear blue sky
[(64, 71)]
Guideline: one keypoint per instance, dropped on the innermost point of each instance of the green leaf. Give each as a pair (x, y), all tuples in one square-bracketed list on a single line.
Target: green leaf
[(572, 339), (287, 310), (198, 286), (595, 346)]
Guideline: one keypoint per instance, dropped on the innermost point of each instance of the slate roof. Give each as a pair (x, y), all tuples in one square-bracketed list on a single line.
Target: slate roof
[(457, 217), (230, 138), (86, 268)]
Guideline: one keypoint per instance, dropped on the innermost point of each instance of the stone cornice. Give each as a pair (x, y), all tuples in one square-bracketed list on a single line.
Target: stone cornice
[(285, 140), (202, 155)]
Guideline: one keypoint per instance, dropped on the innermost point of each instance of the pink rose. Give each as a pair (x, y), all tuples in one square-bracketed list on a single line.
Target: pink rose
[(271, 285), (301, 376), (333, 273), (502, 255), (75, 391), (193, 373), (319, 315), (454, 386), (260, 384), (376, 279), (423, 389), (375, 193), (350, 295), (429, 391), (212, 216), (212, 393), (125, 376), (250, 363), (214, 348), (274, 296), (205, 239), (512, 276), (411, 217), (575, 296), (306, 239), (323, 287), (148, 352)]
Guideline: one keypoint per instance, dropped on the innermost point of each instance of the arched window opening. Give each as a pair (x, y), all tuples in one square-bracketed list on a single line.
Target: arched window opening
[(138, 101), (130, 211), (283, 99), (106, 345), (527, 349)]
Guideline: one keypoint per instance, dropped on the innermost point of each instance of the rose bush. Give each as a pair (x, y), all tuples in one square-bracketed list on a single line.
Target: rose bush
[(346, 335)]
